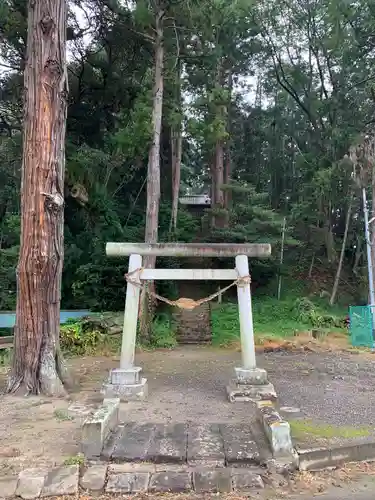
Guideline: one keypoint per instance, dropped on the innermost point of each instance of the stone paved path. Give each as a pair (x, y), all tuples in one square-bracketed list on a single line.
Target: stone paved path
[(213, 445)]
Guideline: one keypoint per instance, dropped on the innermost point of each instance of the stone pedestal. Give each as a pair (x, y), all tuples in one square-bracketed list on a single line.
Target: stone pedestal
[(250, 385), (126, 384)]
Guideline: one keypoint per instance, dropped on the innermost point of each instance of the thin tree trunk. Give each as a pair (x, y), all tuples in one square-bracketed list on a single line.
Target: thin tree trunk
[(372, 225), (358, 255), (219, 181), (176, 146), (176, 175), (228, 159), (311, 266), (343, 246), (37, 362), (217, 172), (153, 177)]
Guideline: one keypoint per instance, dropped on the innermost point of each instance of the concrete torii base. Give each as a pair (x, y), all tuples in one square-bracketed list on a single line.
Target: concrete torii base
[(250, 385), (126, 384)]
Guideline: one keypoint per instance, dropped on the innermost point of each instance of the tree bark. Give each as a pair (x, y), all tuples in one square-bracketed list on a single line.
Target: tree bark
[(219, 220), (176, 145), (343, 246), (358, 255), (311, 266), (228, 159), (37, 363), (218, 163), (372, 225), (153, 175)]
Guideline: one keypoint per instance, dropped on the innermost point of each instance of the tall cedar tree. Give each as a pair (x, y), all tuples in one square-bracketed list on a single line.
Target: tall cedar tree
[(37, 363)]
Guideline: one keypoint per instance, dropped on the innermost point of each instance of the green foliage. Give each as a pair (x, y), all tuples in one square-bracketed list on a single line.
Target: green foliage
[(75, 460), (163, 332), (62, 416), (273, 318), (77, 341), (5, 357), (307, 312), (284, 141)]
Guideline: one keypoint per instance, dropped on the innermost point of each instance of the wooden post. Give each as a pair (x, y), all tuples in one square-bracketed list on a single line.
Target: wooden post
[(246, 315), (129, 333)]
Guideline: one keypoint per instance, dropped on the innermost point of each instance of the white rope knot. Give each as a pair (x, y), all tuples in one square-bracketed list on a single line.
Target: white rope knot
[(244, 280)]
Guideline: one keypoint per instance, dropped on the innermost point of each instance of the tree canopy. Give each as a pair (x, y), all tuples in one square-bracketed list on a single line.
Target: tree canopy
[(262, 102)]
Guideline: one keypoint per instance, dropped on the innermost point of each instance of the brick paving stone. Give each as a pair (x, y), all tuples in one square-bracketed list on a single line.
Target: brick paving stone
[(134, 443), (244, 480), (169, 444), (61, 481), (94, 478), (239, 444), (176, 482), (128, 482), (212, 481), (30, 483), (205, 445), (8, 487), (131, 467)]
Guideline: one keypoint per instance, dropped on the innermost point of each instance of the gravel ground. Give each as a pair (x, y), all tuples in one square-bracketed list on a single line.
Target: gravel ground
[(188, 384), (335, 388)]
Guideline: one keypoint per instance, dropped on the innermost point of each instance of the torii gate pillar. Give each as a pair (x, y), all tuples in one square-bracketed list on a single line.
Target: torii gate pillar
[(250, 383)]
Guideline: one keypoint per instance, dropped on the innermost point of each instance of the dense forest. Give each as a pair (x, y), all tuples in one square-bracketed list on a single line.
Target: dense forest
[(267, 107)]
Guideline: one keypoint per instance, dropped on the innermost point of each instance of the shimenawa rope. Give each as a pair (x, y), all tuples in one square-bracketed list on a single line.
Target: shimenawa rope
[(183, 302)]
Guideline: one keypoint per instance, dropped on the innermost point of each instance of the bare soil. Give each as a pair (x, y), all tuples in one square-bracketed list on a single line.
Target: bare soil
[(40, 431)]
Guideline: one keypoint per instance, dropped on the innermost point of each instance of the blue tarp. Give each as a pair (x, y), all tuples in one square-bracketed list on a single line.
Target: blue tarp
[(8, 319)]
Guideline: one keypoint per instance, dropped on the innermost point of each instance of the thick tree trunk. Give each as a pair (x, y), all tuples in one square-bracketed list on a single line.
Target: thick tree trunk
[(342, 253), (37, 363), (153, 175), (329, 238)]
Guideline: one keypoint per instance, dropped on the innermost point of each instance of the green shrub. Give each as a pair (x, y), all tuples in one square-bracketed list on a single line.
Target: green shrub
[(307, 312), (163, 332), (75, 340)]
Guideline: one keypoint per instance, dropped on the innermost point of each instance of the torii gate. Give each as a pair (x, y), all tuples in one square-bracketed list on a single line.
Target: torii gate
[(250, 382)]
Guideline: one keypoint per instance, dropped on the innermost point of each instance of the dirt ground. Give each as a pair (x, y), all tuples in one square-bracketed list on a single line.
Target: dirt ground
[(188, 384)]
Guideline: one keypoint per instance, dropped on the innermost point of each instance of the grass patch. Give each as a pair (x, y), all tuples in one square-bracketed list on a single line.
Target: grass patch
[(273, 319), (302, 429), (5, 357), (75, 460), (62, 415)]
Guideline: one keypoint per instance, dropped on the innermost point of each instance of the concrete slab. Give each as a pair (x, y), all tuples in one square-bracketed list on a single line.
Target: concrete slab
[(97, 427)]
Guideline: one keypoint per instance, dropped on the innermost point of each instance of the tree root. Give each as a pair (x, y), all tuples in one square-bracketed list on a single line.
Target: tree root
[(51, 380)]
